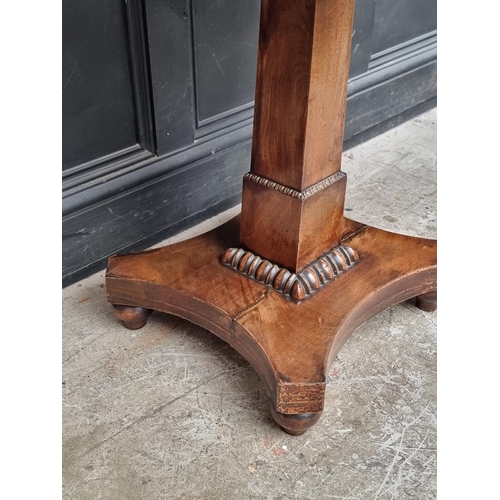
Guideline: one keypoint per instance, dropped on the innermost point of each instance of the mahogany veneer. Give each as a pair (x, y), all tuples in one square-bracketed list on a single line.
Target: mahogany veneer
[(287, 282)]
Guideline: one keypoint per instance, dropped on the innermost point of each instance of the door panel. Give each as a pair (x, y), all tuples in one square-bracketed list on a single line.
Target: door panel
[(169, 43), (97, 95), (225, 42), (399, 21)]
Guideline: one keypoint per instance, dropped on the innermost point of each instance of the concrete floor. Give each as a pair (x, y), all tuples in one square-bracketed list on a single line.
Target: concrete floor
[(172, 412)]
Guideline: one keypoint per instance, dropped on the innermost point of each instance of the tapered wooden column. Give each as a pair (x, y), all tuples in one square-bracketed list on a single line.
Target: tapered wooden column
[(293, 198)]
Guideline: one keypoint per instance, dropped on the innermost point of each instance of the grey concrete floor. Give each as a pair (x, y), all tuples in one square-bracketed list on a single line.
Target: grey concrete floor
[(172, 412)]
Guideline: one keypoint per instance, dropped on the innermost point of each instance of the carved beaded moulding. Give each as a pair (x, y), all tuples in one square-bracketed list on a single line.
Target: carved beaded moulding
[(297, 286), (294, 193)]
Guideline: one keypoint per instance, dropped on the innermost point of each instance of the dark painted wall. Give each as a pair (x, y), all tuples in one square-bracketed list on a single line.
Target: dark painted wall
[(158, 103)]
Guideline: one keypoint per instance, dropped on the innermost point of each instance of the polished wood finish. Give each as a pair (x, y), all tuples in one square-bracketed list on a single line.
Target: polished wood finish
[(296, 286), (133, 318), (427, 301), (290, 229), (302, 72), (292, 346), (300, 102), (297, 424)]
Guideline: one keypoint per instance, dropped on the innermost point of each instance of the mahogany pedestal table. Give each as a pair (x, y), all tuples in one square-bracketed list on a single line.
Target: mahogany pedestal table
[(288, 281)]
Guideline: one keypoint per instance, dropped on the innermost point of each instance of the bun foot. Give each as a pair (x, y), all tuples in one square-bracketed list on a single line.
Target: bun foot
[(133, 318), (427, 301), (297, 424)]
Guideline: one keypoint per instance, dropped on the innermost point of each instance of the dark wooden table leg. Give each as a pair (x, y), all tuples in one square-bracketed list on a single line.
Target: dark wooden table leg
[(288, 282), (132, 317), (427, 301)]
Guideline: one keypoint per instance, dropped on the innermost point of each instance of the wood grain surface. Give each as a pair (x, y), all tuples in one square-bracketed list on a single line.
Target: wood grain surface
[(290, 345), (302, 72), (293, 197), (292, 215), (290, 231)]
